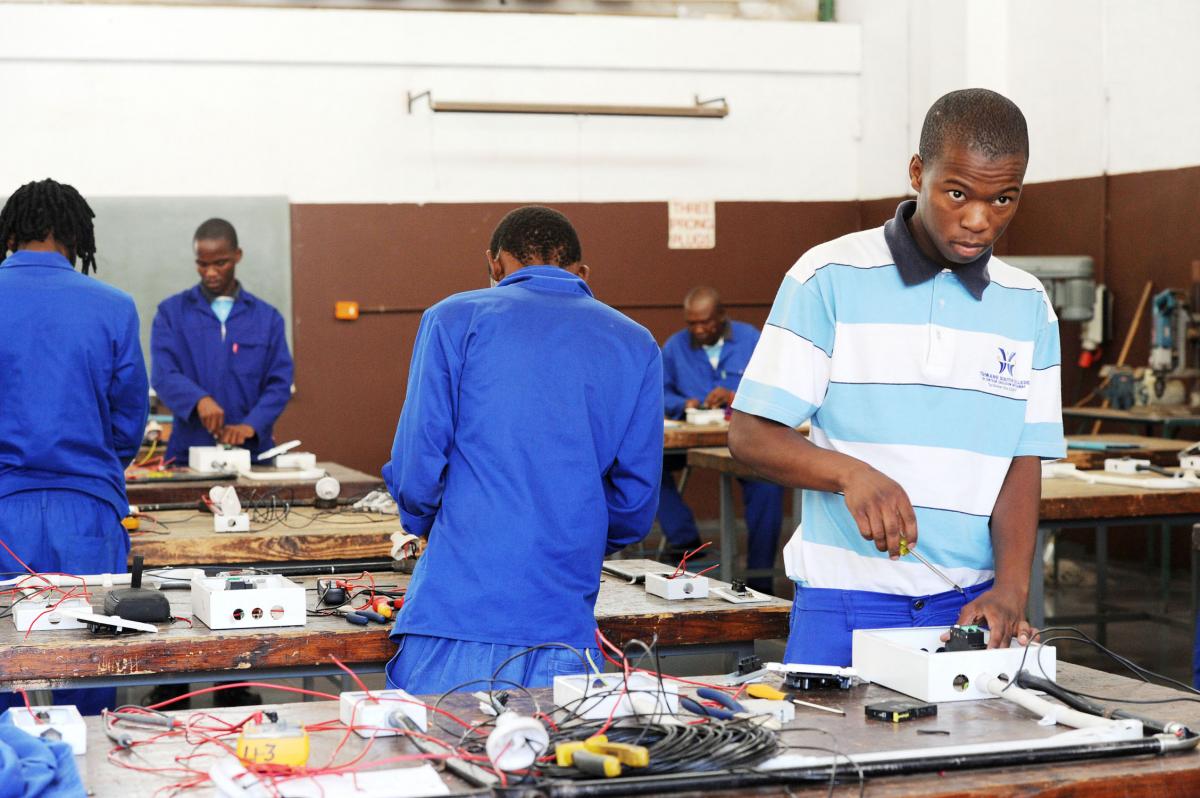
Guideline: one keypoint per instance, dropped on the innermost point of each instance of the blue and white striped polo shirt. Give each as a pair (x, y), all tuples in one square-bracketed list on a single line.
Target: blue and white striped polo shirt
[(937, 378)]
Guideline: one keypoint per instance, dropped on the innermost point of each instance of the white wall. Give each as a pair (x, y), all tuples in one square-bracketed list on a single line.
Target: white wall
[(143, 100), (146, 101), (1152, 79), (1107, 86)]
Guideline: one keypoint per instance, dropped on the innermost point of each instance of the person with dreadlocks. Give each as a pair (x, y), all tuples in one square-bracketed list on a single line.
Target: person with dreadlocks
[(218, 355), (529, 446), (73, 398)]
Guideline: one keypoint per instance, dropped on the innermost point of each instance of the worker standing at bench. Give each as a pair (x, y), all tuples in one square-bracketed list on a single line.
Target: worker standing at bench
[(219, 357), (930, 371), (702, 367), (529, 446), (73, 399)]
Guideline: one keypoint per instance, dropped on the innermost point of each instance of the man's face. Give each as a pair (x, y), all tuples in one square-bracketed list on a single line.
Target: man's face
[(705, 322), (965, 200), (216, 260)]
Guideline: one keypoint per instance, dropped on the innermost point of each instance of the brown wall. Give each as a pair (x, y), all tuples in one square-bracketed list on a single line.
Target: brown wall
[(350, 376), (1153, 233)]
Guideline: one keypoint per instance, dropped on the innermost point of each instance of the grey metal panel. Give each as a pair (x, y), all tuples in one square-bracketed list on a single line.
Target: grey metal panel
[(144, 246)]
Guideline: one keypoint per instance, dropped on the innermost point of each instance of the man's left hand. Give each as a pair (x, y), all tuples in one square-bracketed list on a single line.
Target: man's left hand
[(1004, 614), (236, 434), (719, 397)]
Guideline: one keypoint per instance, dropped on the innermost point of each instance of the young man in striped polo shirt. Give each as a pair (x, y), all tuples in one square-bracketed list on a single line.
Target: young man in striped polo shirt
[(930, 371)]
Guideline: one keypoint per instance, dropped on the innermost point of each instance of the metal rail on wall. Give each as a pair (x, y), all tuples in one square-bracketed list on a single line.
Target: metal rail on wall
[(715, 108)]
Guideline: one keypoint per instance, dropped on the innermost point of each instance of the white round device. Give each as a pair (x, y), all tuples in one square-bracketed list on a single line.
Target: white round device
[(327, 488), (516, 742)]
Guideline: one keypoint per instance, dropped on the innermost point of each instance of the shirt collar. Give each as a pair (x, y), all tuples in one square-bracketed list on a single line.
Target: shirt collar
[(209, 296), (551, 278), (28, 257), (201, 295), (915, 267), (725, 337)]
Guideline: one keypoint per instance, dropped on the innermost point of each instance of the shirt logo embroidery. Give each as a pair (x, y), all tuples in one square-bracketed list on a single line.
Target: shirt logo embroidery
[(1004, 379), (1006, 361)]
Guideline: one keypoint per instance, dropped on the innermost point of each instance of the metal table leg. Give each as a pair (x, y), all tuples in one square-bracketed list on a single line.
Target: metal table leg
[(1164, 583), (1036, 607), (1195, 597), (1102, 581), (728, 530)]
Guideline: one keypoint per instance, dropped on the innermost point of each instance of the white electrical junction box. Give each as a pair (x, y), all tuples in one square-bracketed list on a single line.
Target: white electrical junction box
[(368, 714), (906, 660), (248, 601), (60, 722), (684, 586), (593, 696), (37, 614)]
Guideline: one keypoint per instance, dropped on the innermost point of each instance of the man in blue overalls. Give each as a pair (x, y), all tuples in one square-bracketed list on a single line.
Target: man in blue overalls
[(702, 367), (73, 399), (530, 445), (219, 358)]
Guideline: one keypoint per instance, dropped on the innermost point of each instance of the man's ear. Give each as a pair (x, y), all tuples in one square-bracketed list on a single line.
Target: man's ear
[(916, 168), (495, 268), (582, 271)]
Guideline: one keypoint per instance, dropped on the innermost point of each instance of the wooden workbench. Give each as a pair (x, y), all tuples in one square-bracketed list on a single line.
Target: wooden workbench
[(181, 537), (179, 653), (679, 436), (354, 483), (1065, 503), (1170, 418), (1075, 500), (1159, 451), (1062, 499), (1176, 774)]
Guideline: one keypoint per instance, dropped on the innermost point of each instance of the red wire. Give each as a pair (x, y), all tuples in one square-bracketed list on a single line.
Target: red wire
[(681, 569), (353, 676), (29, 709), (15, 557), (218, 687)]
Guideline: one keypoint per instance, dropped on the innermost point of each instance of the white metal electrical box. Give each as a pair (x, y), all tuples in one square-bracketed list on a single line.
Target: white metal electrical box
[(248, 601), (907, 661), (209, 459)]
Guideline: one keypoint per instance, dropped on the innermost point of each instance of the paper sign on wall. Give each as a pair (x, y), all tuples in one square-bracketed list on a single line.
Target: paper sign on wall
[(691, 224)]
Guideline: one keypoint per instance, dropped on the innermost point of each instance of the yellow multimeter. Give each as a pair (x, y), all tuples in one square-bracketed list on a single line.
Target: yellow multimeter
[(273, 744)]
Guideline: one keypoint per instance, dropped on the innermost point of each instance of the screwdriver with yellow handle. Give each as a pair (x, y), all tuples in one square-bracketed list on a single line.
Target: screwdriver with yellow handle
[(904, 549), (771, 694)]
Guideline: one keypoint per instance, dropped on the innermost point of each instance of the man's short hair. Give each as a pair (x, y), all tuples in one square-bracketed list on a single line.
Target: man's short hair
[(978, 119), (217, 230), (703, 293), (535, 235)]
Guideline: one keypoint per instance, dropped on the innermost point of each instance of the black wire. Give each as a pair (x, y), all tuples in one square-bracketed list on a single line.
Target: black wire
[(7, 611), (1145, 674), (862, 786)]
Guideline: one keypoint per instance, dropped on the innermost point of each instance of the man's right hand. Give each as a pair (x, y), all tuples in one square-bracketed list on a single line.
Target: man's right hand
[(881, 509), (211, 414), (691, 404)]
